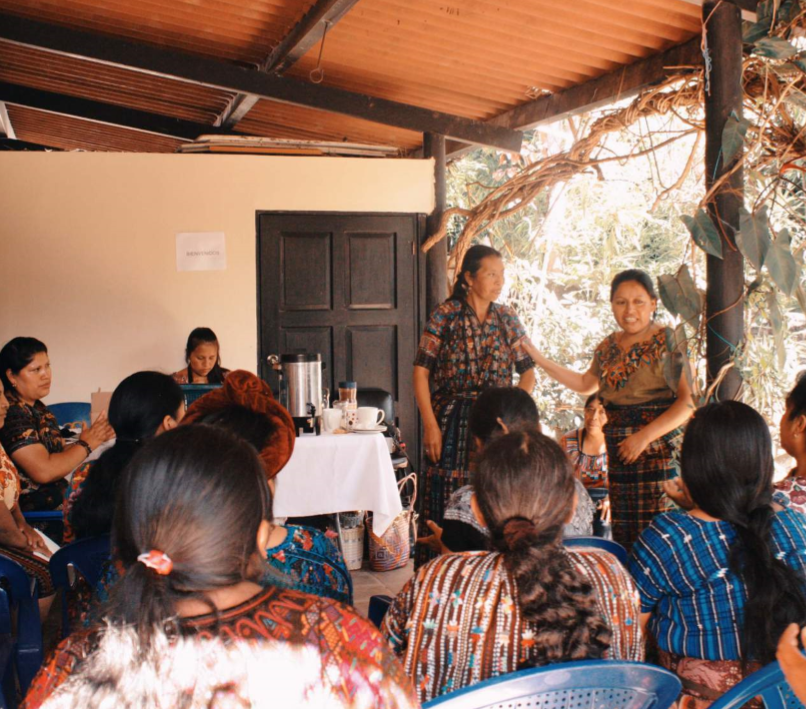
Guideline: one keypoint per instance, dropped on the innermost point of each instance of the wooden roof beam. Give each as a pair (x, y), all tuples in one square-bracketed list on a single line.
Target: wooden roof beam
[(620, 84), (216, 74), (299, 40), (748, 7), (103, 113)]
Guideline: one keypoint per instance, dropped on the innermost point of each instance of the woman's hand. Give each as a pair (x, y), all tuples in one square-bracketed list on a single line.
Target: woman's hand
[(630, 449), (433, 443), (97, 434), (678, 494), (792, 661), (35, 541), (434, 540)]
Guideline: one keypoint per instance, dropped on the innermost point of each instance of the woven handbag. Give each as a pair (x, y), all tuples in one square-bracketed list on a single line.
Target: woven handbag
[(393, 549)]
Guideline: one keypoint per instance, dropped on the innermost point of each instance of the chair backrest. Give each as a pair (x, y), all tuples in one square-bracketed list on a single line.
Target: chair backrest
[(194, 391), (22, 595), (380, 399), (598, 543), (768, 683), (71, 412), (378, 605), (87, 557), (587, 684)]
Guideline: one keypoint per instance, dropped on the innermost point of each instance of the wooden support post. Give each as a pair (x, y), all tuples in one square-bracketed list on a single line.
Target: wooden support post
[(725, 293), (436, 261)]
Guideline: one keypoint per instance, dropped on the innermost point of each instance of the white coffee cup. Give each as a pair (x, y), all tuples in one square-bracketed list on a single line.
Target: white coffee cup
[(368, 417), (332, 419)]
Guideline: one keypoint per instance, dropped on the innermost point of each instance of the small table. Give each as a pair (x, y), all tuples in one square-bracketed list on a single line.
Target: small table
[(339, 473)]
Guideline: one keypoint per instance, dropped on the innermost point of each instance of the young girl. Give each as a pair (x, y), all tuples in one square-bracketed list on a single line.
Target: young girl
[(203, 358), (191, 530)]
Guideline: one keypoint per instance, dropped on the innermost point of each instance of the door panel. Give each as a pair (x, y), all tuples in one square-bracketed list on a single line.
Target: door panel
[(346, 286)]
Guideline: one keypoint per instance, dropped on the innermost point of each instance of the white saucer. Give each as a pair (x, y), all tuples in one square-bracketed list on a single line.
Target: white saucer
[(374, 429)]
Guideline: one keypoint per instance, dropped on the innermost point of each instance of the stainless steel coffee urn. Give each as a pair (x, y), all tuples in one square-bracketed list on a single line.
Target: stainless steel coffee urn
[(301, 389)]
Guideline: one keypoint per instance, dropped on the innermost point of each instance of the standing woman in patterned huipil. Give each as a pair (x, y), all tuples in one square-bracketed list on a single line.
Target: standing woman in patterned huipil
[(644, 415), (471, 343)]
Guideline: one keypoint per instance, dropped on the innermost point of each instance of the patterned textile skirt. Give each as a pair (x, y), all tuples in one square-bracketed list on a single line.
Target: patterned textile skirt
[(704, 681), (34, 566), (438, 482), (636, 490)]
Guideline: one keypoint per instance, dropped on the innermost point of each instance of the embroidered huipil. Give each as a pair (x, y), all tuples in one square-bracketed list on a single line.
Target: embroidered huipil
[(680, 565), (457, 621)]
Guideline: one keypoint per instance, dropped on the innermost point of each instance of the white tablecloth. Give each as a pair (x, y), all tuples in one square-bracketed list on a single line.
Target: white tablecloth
[(339, 473)]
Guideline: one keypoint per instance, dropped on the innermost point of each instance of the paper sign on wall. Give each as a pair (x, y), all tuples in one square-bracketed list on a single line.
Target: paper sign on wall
[(201, 251)]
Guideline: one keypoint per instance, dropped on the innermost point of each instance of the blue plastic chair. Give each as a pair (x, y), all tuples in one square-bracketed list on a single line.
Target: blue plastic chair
[(378, 605), (588, 684), (22, 596), (88, 557), (71, 412), (768, 683), (598, 543), (194, 391), (9, 685)]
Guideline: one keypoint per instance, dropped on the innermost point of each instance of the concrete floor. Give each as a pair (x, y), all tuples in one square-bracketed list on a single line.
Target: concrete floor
[(368, 583)]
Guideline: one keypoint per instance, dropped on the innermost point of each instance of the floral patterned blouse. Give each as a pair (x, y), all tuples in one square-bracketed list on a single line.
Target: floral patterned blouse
[(457, 621), (354, 656), (591, 470), (9, 481), (466, 356), (26, 426), (791, 493), (634, 376)]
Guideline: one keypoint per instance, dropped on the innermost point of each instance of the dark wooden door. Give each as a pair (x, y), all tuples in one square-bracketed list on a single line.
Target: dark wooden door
[(346, 286)]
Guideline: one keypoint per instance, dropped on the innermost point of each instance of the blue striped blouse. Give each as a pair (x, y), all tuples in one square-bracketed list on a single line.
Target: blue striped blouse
[(680, 565)]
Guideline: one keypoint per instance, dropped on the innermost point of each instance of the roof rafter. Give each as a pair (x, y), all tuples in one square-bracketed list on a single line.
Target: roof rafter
[(5, 123), (104, 113), (299, 40), (620, 84), (227, 77)]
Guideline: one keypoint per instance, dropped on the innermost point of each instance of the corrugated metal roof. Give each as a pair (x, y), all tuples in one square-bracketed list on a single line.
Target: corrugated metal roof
[(76, 77), (57, 131), (474, 58)]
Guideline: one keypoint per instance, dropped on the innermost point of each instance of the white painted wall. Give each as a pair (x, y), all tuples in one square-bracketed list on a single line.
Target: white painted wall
[(87, 249)]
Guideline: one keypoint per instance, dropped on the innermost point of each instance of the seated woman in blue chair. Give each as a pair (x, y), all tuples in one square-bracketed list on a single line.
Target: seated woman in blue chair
[(31, 435), (721, 581), (144, 405), (18, 540), (304, 557), (192, 538), (528, 601)]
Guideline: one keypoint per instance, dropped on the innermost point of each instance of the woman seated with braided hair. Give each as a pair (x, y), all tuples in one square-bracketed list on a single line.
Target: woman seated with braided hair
[(305, 558), (466, 617), (192, 537), (720, 582)]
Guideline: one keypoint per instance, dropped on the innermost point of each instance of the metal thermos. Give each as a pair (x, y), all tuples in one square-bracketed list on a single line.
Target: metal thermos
[(301, 389)]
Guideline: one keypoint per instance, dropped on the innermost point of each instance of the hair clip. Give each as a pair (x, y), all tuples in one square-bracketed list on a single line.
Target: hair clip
[(157, 560)]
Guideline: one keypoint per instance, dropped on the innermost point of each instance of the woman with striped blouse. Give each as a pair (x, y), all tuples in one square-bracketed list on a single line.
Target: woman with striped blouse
[(720, 582)]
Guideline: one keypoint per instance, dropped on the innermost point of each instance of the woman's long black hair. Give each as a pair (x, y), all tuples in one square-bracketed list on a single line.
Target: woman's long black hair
[(512, 405), (202, 336), (138, 406), (197, 494), (525, 488), (727, 467), (471, 264)]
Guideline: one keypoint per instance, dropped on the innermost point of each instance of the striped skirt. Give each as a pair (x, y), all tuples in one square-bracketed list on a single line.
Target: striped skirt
[(636, 490), (35, 568), (438, 482)]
